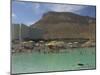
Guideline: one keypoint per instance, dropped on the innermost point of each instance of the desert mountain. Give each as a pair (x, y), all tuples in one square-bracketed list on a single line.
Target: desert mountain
[(60, 25), (25, 32)]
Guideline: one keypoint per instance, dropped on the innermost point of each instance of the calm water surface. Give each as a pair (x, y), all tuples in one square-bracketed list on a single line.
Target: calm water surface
[(39, 62)]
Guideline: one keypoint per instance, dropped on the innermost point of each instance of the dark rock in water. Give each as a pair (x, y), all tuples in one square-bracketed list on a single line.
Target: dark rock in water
[(81, 64), (14, 74)]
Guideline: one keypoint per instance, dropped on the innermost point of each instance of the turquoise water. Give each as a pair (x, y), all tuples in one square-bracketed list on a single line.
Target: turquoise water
[(39, 62)]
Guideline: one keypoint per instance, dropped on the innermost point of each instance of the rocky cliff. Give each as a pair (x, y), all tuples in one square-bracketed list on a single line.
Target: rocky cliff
[(59, 25)]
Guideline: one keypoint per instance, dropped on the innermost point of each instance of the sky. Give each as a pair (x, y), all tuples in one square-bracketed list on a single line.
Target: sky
[(29, 12)]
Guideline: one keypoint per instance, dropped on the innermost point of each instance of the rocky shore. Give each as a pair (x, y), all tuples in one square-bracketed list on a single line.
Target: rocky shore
[(48, 46)]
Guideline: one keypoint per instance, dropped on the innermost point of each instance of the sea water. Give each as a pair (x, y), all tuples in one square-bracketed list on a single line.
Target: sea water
[(40, 62)]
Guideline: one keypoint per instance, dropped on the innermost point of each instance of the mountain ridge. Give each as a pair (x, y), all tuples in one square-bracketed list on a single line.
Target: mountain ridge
[(66, 25)]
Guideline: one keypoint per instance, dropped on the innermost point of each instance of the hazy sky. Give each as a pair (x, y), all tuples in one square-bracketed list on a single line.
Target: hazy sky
[(29, 13)]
